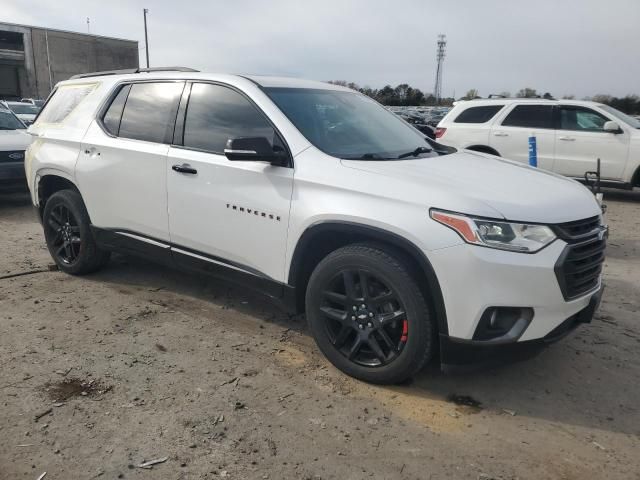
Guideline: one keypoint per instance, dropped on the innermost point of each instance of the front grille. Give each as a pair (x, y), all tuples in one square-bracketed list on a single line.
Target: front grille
[(578, 229), (11, 156), (579, 267)]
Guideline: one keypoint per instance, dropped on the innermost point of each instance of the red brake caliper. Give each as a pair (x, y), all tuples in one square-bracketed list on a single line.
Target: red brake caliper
[(405, 331)]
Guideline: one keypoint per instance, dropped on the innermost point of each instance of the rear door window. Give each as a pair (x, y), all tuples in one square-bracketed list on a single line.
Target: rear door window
[(150, 111), (478, 114), (530, 116), (217, 113), (113, 115)]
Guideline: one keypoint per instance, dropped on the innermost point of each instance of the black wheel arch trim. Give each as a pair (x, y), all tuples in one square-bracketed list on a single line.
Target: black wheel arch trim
[(379, 234), (484, 149)]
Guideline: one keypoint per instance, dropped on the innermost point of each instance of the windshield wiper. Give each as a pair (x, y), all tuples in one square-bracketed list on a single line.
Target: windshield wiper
[(367, 156), (415, 152)]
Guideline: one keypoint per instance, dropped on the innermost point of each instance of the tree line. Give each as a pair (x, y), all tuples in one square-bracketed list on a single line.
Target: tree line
[(401, 95), (406, 95)]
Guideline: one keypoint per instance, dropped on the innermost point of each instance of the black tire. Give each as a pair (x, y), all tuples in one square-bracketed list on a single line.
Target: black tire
[(404, 345), (68, 234)]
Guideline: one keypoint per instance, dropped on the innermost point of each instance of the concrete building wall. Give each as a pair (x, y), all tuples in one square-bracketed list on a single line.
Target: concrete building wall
[(51, 56)]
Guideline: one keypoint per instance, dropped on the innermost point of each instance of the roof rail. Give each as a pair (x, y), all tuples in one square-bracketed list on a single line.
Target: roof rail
[(133, 70)]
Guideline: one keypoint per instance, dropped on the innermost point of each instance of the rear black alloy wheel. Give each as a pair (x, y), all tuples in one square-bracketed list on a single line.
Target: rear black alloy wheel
[(369, 315), (64, 231), (67, 230), (365, 319)]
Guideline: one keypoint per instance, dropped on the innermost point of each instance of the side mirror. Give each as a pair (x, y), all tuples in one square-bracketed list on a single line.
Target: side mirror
[(254, 149), (612, 127)]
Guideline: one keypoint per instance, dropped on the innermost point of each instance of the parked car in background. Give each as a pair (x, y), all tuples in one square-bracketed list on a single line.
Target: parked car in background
[(26, 112), (13, 142), (33, 101), (395, 246), (570, 135)]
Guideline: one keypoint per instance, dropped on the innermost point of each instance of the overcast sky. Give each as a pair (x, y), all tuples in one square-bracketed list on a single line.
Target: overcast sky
[(580, 47)]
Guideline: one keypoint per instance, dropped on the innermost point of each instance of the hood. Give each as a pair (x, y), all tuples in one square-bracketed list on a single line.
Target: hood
[(477, 181), (14, 140)]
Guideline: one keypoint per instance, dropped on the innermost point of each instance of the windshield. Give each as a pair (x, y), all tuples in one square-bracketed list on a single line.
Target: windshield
[(350, 125), (24, 109), (8, 121), (635, 123)]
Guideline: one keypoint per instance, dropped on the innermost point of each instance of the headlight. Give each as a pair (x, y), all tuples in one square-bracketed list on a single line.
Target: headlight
[(515, 237)]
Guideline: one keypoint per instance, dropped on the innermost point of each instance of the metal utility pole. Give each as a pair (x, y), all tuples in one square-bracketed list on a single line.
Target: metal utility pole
[(146, 37), (440, 52), (88, 26)]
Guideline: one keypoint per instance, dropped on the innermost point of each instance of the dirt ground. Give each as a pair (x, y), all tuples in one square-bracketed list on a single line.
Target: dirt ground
[(138, 362)]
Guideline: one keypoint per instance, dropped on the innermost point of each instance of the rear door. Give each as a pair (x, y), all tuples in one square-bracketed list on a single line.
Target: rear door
[(222, 213), (121, 170), (581, 140), (510, 133)]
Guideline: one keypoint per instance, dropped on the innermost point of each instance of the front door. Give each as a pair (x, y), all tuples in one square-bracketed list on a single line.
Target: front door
[(510, 135), (224, 213), (581, 140)]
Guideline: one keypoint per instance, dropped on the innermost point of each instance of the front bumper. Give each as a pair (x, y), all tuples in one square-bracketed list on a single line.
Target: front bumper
[(12, 176), (458, 354), (473, 279)]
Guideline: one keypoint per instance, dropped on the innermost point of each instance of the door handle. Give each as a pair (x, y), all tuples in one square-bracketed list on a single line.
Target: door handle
[(92, 152), (567, 139), (184, 168), (500, 134)]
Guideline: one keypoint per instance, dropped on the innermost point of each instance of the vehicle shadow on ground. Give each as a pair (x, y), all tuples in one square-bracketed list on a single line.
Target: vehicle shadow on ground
[(10, 201), (567, 383), (621, 195)]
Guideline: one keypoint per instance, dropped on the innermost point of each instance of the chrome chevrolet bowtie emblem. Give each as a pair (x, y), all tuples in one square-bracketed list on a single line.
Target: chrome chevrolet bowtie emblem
[(604, 232)]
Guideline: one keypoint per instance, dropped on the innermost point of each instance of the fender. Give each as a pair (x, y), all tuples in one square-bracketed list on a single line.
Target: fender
[(49, 171), (360, 232)]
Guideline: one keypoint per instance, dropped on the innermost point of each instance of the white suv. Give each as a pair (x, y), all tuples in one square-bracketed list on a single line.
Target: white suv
[(570, 135), (395, 246)]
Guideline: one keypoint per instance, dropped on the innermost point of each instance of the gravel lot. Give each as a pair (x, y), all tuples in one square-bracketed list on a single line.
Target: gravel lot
[(139, 362)]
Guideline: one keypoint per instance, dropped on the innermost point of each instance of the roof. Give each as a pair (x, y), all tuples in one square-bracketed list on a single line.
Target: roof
[(509, 101), (65, 31), (291, 82), (190, 74)]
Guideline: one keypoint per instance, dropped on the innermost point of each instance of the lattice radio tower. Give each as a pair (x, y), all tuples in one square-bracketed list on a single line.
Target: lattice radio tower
[(440, 52)]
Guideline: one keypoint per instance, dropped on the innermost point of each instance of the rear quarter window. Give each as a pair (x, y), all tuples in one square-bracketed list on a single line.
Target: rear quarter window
[(478, 114), (65, 99)]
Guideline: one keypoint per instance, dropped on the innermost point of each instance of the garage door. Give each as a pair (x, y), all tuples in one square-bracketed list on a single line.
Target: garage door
[(9, 87)]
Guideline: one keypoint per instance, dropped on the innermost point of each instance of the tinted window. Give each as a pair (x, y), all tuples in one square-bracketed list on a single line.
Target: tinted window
[(8, 121), (532, 116), (216, 114), (24, 109), (111, 119), (579, 118), (478, 114), (150, 111), (64, 100)]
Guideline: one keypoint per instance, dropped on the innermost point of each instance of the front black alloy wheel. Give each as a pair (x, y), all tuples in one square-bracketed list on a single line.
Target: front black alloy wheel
[(365, 319), (368, 315)]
